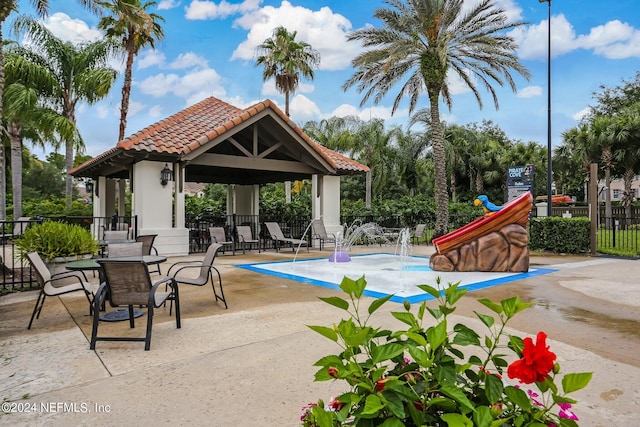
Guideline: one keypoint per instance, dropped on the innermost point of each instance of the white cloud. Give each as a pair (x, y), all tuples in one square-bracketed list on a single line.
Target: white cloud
[(134, 108), (614, 40), (188, 60), (529, 92), (150, 58), (324, 30), (193, 86), (198, 10), (156, 111), (302, 109), (580, 114), (457, 86), (168, 4), (71, 30), (102, 111), (532, 40)]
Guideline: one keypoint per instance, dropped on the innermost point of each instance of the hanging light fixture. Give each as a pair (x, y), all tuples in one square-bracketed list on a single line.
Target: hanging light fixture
[(166, 175), (88, 185)]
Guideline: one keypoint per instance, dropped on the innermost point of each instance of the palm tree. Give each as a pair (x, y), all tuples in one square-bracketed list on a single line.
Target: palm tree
[(286, 59), (600, 137), (135, 28), (6, 7), (26, 115), (627, 149), (424, 40), (81, 74)]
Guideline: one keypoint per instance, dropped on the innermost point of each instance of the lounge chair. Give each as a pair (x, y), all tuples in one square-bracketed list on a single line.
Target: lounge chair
[(127, 283), (48, 287), (278, 237), (319, 232), (245, 237), (205, 274), (219, 235)]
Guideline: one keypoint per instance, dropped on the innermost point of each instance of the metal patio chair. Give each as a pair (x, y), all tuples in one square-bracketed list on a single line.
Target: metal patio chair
[(245, 237), (219, 235), (147, 247), (205, 275), (318, 231), (127, 283), (418, 233), (48, 287)]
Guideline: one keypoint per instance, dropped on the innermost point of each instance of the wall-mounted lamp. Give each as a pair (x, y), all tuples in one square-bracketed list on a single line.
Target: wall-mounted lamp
[(166, 175), (88, 185)]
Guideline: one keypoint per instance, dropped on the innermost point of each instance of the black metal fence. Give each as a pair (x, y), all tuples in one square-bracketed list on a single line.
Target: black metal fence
[(16, 273)]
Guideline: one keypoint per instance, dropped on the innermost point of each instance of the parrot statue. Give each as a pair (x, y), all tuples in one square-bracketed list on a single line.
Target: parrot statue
[(489, 208)]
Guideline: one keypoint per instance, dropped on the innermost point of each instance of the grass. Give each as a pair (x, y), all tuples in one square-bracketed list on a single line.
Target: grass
[(620, 243)]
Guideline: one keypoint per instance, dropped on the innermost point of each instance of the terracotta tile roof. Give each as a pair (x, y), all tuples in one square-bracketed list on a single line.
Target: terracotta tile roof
[(191, 128)]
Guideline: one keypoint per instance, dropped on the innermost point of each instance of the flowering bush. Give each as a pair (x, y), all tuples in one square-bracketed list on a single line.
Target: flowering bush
[(419, 376)]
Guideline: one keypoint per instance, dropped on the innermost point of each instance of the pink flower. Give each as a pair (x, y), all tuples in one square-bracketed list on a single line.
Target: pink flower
[(565, 412)]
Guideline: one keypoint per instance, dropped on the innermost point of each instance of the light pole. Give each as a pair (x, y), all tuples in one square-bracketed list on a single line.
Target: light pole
[(549, 171)]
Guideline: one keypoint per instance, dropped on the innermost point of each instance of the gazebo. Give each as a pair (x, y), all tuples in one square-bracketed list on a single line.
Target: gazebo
[(213, 142)]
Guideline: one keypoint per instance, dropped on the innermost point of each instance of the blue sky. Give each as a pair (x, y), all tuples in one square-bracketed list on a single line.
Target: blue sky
[(209, 50)]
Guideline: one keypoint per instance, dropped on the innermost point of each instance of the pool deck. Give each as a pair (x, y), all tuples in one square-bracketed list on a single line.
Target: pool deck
[(252, 364)]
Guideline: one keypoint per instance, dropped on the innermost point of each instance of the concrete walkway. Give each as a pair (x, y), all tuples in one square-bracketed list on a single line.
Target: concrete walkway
[(252, 365)]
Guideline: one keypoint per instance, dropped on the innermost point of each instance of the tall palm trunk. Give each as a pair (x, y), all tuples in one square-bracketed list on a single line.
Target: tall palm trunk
[(608, 211), (68, 159), (439, 163), (3, 166), (15, 136), (126, 94)]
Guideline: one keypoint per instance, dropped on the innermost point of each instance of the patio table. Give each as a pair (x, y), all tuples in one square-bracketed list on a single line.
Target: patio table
[(93, 265)]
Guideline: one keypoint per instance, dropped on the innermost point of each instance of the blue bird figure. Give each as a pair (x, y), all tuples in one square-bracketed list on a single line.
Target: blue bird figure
[(489, 208)]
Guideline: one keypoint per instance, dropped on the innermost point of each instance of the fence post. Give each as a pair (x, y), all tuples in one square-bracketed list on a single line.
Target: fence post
[(593, 207)]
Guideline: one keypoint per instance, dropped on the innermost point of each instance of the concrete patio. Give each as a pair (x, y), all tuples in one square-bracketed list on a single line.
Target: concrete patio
[(253, 363)]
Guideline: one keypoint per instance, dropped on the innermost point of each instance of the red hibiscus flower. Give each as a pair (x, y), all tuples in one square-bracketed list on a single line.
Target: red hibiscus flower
[(536, 363), (381, 383)]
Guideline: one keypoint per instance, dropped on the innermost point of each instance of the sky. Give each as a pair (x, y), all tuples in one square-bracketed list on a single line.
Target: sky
[(209, 49)]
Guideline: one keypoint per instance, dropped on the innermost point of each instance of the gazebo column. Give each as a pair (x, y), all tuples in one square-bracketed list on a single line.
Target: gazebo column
[(153, 204), (100, 205), (247, 202), (326, 201)]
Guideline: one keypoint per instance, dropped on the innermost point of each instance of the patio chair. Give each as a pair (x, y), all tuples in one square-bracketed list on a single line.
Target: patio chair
[(115, 235), (218, 235), (278, 236), (418, 234), (319, 232), (147, 247), (127, 283), (124, 249), (48, 287), (245, 237), (205, 274)]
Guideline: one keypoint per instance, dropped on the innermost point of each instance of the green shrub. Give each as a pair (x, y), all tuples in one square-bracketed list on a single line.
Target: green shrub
[(559, 235), (53, 239)]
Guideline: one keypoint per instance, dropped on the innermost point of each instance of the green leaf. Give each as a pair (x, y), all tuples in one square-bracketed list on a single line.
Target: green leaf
[(405, 317), (493, 388), (386, 352), (518, 397), (372, 405), (574, 382), (392, 422), (487, 320), (353, 287), (417, 338), (430, 290), (516, 344), (336, 302), (378, 303), (482, 416), (326, 332), (436, 335), (457, 420), (513, 305), (395, 404), (465, 335), (458, 395), (323, 418), (496, 308)]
